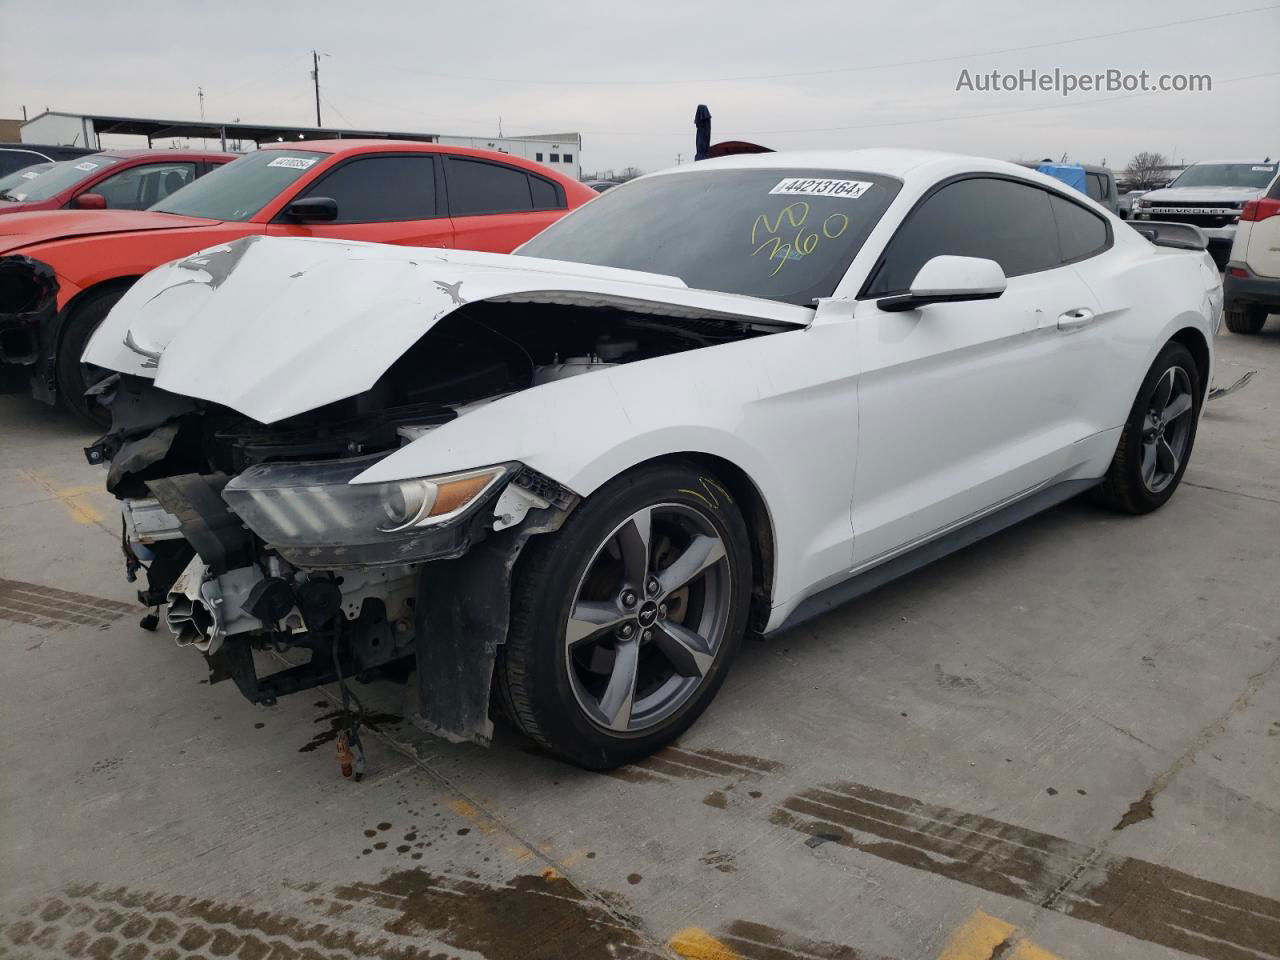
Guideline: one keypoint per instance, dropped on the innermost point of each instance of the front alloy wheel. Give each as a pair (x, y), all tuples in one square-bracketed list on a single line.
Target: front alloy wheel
[(647, 617), (624, 621)]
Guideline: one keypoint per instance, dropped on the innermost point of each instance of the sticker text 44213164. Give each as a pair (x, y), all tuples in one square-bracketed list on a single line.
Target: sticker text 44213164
[(816, 187)]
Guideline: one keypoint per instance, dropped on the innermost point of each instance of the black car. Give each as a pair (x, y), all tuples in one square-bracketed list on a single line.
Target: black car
[(15, 156)]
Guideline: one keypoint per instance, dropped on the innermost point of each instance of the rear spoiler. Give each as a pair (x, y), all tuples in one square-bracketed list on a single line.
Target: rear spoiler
[(1164, 233)]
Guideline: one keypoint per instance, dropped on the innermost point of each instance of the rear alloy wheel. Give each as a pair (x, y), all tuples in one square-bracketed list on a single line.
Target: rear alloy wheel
[(624, 621), (1156, 440), (1247, 318)]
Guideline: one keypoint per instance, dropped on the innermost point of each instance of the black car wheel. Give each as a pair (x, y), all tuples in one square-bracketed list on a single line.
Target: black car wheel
[(624, 621), (74, 377), (1156, 440)]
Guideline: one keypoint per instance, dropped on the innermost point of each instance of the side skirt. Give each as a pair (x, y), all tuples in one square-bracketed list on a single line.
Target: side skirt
[(957, 539)]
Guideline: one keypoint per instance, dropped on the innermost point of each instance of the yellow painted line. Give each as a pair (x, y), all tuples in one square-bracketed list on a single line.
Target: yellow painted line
[(977, 938), (1026, 950), (71, 498), (694, 943)]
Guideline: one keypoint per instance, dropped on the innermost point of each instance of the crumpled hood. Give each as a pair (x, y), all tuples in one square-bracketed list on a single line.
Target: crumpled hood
[(1202, 194), (41, 226), (273, 327)]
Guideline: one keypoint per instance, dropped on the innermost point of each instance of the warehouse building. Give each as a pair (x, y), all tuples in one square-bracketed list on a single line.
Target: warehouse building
[(559, 151)]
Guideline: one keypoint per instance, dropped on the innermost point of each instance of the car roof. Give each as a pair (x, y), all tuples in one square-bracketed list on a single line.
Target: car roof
[(898, 163), (352, 146)]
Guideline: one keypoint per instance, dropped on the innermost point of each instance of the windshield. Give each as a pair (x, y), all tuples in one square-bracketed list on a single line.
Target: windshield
[(60, 176), (782, 234), (1256, 175), (19, 179), (242, 187)]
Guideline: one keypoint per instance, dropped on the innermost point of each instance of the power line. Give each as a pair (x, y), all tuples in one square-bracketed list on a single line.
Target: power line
[(649, 81)]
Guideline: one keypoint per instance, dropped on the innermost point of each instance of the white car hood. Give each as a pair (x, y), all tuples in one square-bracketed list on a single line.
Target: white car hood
[(1201, 194), (273, 327)]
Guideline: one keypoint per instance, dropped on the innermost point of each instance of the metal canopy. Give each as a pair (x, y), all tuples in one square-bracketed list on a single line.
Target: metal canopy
[(156, 129)]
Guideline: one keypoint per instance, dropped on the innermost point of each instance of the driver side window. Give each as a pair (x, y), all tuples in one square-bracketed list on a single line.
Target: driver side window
[(999, 220), (139, 187)]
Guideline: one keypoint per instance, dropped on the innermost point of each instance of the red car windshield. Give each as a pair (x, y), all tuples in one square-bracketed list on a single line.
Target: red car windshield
[(60, 177), (242, 187)]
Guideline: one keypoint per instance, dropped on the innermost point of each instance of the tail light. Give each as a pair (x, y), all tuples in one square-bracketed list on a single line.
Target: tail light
[(1256, 210), (1237, 272)]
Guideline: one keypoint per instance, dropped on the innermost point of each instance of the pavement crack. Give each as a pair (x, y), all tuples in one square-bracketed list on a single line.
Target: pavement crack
[(1233, 493), (1144, 807)]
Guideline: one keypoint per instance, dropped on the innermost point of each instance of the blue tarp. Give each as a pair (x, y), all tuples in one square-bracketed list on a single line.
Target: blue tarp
[(1072, 174)]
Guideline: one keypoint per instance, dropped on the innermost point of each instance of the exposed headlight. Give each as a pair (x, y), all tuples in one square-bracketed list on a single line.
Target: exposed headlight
[(314, 515)]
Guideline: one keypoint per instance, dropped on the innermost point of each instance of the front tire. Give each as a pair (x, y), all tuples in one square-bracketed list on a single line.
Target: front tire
[(74, 377), (1156, 441), (624, 621)]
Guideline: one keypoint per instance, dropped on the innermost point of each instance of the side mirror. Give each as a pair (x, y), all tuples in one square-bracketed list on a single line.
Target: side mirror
[(312, 210), (90, 201), (949, 279)]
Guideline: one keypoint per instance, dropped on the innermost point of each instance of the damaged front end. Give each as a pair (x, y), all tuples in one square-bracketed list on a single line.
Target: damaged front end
[(265, 397), (28, 308), (255, 539)]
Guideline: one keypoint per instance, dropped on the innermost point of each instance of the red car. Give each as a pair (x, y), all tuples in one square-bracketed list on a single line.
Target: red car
[(60, 273), (112, 179)]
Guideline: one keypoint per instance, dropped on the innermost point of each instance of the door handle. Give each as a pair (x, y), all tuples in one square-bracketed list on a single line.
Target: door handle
[(1073, 319)]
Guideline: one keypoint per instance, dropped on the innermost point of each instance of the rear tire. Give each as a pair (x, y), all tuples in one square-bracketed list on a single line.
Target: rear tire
[(1247, 318), (1158, 436), (74, 377), (648, 647)]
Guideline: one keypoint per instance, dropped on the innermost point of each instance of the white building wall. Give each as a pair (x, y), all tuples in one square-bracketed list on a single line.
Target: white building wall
[(559, 155), (59, 129)]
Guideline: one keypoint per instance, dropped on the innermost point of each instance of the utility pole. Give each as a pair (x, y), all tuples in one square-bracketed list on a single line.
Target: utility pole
[(315, 76), (679, 156), (200, 94)]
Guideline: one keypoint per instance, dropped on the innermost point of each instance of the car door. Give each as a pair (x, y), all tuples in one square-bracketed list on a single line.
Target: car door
[(495, 206), (381, 198), (967, 406)]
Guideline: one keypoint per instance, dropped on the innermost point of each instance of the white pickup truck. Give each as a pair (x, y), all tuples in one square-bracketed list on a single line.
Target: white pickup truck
[(1209, 195)]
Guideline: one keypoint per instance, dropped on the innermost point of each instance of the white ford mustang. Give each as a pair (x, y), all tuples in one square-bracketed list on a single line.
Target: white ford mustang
[(715, 400)]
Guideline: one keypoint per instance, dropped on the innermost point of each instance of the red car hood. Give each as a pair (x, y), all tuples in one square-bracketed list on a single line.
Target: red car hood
[(27, 229)]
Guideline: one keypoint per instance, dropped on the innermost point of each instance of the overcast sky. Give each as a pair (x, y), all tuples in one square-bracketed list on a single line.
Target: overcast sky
[(629, 75)]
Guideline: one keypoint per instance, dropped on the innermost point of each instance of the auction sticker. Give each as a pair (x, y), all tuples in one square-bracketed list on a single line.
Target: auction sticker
[(1264, 169), (809, 187), (293, 163), (87, 166), (29, 175)]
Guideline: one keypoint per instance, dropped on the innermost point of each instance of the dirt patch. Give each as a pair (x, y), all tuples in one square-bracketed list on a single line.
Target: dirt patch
[(53, 609), (411, 915), (674, 763), (1143, 900), (533, 917)]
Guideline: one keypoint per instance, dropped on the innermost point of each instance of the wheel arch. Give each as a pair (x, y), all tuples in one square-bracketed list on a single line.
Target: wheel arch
[(1198, 346), (45, 379), (745, 493)]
